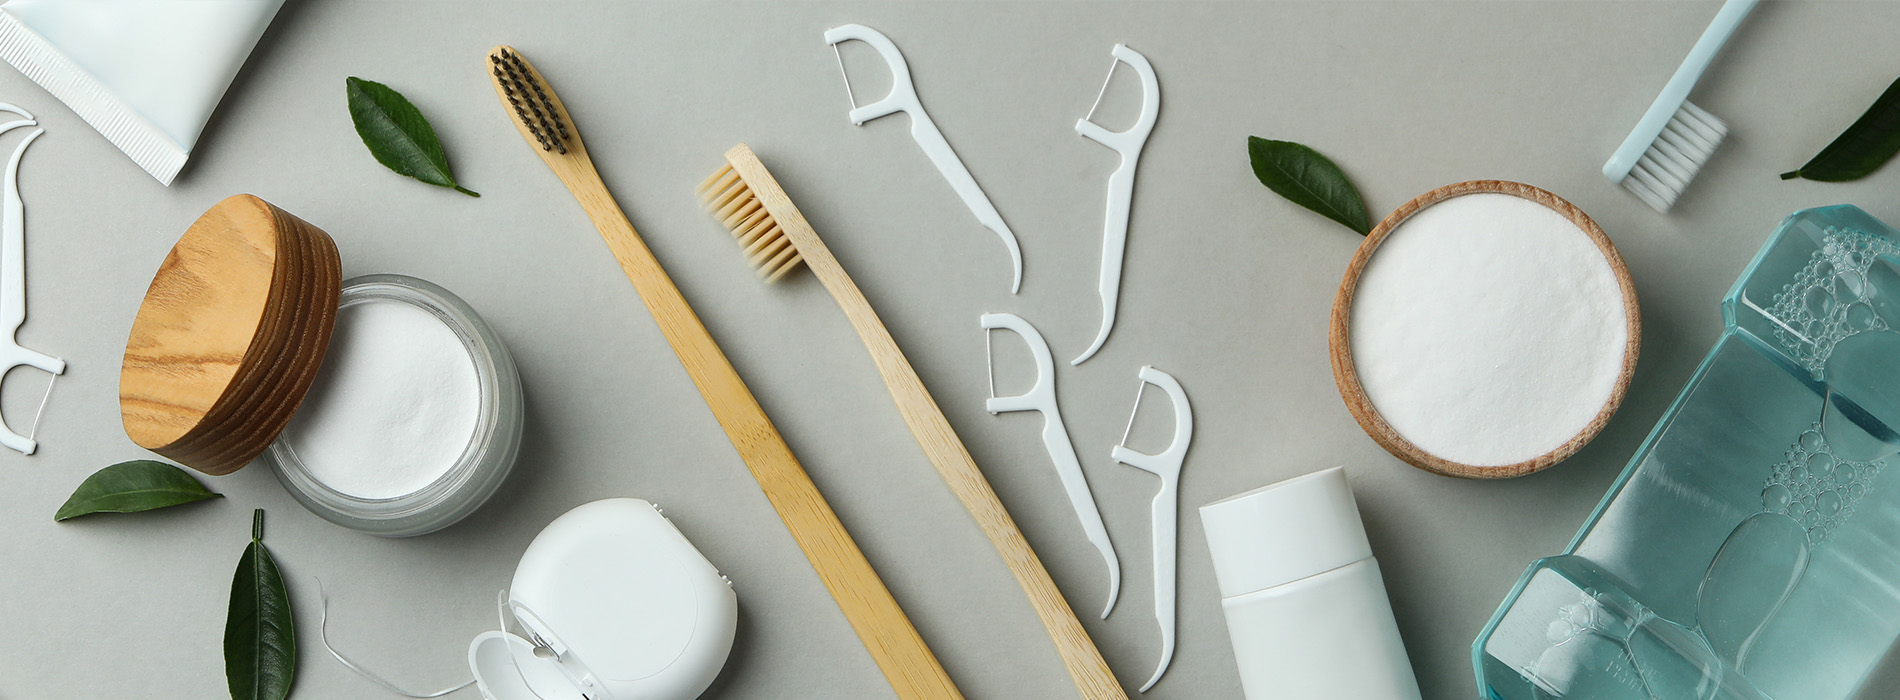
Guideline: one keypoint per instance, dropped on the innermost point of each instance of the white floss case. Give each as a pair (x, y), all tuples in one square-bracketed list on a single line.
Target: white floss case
[(610, 602)]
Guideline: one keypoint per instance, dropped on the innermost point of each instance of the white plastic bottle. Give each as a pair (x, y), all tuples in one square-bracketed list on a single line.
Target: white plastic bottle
[(1306, 608)]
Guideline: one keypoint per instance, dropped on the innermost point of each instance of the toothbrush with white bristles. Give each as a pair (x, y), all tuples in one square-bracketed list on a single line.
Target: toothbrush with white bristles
[(1674, 138)]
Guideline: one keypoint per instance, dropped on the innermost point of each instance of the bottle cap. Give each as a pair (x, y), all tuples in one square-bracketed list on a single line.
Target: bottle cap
[(1281, 533)]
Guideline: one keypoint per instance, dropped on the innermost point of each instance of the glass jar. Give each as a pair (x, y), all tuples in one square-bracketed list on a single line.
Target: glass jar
[(484, 462)]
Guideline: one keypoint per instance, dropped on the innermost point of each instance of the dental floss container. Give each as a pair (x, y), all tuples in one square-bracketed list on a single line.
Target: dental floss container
[(610, 602), (1305, 606)]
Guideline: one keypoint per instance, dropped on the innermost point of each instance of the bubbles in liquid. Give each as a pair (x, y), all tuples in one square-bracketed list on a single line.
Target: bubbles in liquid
[(1821, 465), (1860, 317), (1851, 282), (1775, 498), (1829, 299), (1815, 487), (1820, 301), (1828, 504)]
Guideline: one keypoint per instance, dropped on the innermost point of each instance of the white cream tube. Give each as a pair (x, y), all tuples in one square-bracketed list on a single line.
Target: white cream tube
[(145, 73)]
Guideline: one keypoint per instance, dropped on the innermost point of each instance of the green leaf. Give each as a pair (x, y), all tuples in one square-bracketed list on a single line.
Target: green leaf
[(260, 638), (1308, 179), (130, 487), (397, 135), (1860, 150)]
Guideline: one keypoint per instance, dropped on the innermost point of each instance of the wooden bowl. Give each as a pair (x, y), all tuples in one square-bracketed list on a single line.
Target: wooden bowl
[(230, 335), (1346, 375)]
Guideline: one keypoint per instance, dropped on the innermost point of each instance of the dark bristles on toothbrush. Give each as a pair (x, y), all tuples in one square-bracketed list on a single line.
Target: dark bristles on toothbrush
[(534, 108), (751, 205)]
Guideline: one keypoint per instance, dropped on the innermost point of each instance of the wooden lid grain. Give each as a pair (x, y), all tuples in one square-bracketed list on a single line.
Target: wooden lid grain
[(230, 335)]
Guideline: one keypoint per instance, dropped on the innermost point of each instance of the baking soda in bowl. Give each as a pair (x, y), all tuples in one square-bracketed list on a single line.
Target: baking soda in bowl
[(1489, 330), (394, 406)]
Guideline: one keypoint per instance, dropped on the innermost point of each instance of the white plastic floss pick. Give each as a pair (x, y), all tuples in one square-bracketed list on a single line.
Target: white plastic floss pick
[(1166, 465), (1121, 184), (903, 98), (1055, 438), (13, 287)]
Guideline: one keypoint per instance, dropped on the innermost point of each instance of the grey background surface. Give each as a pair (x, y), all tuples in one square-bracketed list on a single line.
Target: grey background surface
[(1226, 286)]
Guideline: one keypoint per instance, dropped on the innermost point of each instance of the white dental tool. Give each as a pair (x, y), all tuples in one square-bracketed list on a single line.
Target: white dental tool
[(13, 287), (1121, 185), (1055, 438), (1166, 465), (903, 98)]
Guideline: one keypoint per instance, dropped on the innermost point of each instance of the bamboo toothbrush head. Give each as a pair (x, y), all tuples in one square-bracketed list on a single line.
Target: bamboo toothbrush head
[(745, 199), (536, 111)]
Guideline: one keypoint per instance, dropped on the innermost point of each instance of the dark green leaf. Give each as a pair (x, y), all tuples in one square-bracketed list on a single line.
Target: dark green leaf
[(397, 135), (1308, 179), (130, 487), (1860, 150), (260, 638)]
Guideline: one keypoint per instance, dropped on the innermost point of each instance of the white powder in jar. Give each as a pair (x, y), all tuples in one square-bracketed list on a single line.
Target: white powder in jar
[(394, 405), (1488, 329)]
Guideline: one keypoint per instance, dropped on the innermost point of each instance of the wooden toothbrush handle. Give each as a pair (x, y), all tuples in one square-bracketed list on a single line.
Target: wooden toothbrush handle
[(881, 625), (1087, 668)]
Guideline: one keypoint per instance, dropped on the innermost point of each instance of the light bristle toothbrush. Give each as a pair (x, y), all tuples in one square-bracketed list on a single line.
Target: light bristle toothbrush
[(1121, 184), (745, 199), (1674, 138), (894, 644), (903, 98), (1055, 437)]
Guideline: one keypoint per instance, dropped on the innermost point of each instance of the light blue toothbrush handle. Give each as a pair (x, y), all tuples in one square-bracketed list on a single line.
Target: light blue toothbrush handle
[(1676, 91)]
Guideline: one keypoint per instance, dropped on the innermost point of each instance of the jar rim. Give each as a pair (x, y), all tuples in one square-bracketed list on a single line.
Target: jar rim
[(448, 492)]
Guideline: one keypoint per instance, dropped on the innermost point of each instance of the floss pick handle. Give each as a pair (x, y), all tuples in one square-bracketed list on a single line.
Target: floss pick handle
[(13, 287), (1121, 184), (1055, 439), (903, 98), (1166, 465)]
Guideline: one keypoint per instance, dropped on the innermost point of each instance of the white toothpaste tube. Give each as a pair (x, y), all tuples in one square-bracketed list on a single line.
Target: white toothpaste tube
[(145, 73)]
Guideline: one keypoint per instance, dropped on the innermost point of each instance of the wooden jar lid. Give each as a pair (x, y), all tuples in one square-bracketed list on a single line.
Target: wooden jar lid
[(1346, 374), (230, 335)]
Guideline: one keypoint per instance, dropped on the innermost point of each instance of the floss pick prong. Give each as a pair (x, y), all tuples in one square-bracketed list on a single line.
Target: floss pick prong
[(1055, 439)]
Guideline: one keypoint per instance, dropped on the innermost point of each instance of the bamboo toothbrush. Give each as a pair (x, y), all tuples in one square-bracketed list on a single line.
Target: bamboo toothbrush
[(886, 632), (775, 238), (1674, 138)]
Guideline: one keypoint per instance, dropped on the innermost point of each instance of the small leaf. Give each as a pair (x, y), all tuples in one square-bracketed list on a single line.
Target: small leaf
[(130, 487), (398, 135), (260, 638), (1308, 179), (1866, 145)]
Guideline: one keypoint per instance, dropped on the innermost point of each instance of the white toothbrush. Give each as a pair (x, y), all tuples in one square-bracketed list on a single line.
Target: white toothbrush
[(903, 98), (1674, 138), (1055, 438), (1121, 184), (1164, 517)]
